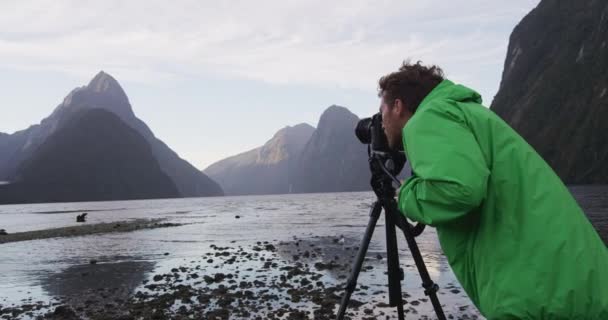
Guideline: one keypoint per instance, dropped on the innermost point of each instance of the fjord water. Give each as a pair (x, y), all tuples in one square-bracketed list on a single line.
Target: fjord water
[(44, 269)]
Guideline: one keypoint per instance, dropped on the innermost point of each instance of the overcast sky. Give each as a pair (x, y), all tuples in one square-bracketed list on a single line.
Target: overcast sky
[(216, 78)]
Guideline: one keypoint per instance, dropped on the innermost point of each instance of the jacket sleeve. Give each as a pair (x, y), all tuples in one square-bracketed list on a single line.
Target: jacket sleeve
[(449, 171)]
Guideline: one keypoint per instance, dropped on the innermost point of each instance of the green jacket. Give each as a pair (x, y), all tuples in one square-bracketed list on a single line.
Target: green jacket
[(513, 234)]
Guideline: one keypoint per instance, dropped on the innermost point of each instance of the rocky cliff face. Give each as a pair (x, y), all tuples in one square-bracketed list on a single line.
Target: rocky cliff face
[(93, 156), (333, 160), (554, 88), (264, 170), (103, 92)]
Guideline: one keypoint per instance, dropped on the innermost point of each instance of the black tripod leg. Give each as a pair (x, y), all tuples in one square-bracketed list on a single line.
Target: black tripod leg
[(430, 288), (395, 274), (352, 280)]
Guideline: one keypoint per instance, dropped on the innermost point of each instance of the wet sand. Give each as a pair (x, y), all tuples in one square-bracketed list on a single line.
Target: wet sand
[(263, 280), (86, 229)]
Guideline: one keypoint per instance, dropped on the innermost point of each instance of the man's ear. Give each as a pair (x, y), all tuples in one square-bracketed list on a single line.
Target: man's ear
[(400, 107)]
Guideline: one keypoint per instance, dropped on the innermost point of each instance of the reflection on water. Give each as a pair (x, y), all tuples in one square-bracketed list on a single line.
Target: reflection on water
[(75, 282), (60, 267)]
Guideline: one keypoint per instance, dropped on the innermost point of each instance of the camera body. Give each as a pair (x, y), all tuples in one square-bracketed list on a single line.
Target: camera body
[(369, 131)]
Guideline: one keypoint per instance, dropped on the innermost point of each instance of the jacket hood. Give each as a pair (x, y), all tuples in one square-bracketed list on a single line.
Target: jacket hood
[(448, 90)]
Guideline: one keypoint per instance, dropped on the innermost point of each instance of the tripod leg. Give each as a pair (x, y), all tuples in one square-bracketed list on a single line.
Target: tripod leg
[(395, 274), (356, 269), (430, 288)]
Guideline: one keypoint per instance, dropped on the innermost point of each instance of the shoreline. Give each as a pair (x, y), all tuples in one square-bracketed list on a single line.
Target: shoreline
[(87, 229)]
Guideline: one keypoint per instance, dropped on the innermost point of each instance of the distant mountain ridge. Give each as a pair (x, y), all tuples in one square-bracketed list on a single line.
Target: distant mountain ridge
[(300, 159), (266, 169), (104, 92), (93, 156), (554, 87), (333, 160)]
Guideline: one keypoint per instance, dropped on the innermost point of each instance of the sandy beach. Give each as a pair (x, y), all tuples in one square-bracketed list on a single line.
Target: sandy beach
[(86, 229)]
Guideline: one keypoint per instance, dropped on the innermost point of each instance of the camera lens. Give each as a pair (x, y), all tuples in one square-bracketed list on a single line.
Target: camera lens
[(363, 130)]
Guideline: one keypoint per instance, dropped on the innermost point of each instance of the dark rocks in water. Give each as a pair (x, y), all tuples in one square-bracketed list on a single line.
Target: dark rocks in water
[(63, 313), (326, 266), (298, 315), (353, 303), (94, 156), (265, 297), (92, 261), (219, 277), (208, 279), (554, 88), (221, 313), (81, 217)]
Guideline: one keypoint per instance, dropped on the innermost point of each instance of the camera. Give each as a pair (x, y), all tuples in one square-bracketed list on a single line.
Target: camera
[(369, 131), (385, 163)]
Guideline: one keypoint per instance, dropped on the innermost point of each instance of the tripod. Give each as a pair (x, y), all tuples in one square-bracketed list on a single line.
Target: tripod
[(382, 185)]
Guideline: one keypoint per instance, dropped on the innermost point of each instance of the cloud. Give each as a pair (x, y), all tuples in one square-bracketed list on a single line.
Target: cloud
[(346, 44)]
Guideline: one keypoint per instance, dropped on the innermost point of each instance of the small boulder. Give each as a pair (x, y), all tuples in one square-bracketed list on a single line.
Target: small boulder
[(81, 217), (64, 312)]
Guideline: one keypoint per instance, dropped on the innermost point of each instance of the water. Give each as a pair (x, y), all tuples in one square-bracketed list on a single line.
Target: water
[(45, 269)]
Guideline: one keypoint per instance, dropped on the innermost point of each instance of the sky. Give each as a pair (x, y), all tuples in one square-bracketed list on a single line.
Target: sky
[(216, 78)]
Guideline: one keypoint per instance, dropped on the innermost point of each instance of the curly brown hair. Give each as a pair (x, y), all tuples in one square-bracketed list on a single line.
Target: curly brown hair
[(411, 84)]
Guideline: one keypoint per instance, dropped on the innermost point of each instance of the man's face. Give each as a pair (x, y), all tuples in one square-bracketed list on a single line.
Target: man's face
[(394, 118)]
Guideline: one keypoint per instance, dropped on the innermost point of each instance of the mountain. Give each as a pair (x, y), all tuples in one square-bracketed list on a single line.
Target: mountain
[(92, 156), (264, 170), (333, 160), (554, 88), (4, 138), (103, 92)]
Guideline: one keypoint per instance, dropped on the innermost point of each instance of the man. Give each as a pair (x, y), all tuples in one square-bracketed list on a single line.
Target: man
[(513, 234)]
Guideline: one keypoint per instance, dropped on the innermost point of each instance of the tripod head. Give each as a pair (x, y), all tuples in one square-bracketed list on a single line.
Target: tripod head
[(383, 181), (384, 163)]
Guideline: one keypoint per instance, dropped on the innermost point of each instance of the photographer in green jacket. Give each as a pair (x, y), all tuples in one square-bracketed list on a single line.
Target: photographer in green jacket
[(513, 234)]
